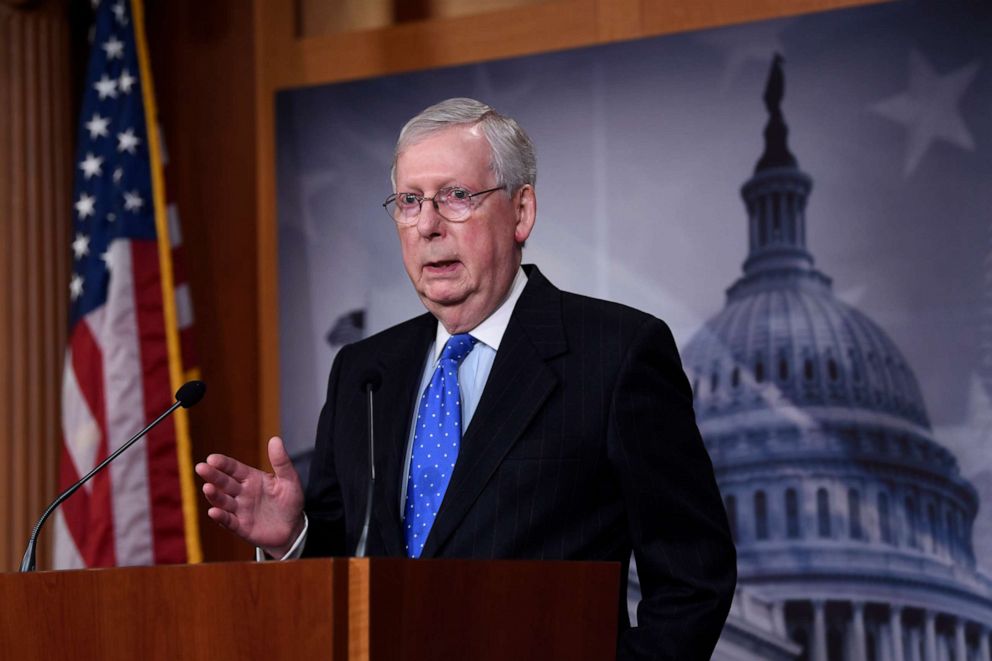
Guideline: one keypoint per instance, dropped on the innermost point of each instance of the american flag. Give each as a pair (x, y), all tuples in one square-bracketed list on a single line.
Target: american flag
[(129, 322)]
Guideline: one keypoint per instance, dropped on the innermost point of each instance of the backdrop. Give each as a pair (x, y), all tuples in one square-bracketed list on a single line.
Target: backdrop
[(642, 149)]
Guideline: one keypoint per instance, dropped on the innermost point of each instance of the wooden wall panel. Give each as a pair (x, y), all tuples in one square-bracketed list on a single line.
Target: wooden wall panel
[(35, 172), (202, 63)]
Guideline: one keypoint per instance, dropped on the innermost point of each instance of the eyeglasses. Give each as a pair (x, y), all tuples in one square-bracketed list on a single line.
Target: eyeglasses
[(453, 204)]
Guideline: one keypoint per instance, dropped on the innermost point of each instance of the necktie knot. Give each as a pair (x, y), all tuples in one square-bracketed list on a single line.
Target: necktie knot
[(457, 347)]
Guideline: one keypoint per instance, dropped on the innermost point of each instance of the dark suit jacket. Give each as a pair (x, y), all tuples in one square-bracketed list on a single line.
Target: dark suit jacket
[(583, 446)]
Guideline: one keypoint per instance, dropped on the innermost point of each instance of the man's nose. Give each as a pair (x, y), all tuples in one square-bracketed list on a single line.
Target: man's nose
[(429, 222)]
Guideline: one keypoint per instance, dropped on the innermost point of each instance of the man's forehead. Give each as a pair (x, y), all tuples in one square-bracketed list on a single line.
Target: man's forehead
[(459, 148)]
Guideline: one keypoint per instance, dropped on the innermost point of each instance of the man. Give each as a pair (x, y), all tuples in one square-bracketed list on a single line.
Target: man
[(579, 439)]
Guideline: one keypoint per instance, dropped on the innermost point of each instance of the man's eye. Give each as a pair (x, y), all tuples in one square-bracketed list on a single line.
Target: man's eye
[(406, 198), (458, 194)]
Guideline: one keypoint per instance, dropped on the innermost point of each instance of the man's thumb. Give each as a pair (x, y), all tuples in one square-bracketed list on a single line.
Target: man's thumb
[(281, 463)]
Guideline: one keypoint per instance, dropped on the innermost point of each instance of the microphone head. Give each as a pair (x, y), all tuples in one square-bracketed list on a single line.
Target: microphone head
[(371, 380), (190, 393)]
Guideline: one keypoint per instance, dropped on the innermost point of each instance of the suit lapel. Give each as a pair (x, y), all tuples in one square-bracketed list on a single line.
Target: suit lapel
[(518, 385), (402, 368)]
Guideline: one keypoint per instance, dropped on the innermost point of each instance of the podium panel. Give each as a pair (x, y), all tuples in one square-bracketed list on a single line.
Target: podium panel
[(358, 609)]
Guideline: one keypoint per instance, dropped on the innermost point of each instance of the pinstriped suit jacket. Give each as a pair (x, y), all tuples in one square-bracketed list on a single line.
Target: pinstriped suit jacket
[(583, 446)]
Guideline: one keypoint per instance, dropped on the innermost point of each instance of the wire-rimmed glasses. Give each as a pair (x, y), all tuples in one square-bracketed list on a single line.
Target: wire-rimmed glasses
[(453, 204)]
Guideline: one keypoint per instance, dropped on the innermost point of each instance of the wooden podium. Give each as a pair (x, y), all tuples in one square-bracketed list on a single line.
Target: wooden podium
[(380, 609)]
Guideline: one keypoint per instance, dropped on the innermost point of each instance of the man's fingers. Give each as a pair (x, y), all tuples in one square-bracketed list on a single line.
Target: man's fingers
[(281, 463), (229, 465), (222, 480), (223, 518), (218, 498)]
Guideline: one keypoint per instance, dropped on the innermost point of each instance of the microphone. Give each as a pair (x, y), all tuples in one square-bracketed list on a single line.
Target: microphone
[(371, 381), (188, 394)]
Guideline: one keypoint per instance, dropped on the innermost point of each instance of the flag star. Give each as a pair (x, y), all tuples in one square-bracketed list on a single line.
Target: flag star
[(97, 126), (91, 165), (930, 109), (106, 87), (133, 201), (114, 48), (76, 286), (119, 14), (126, 81), (127, 141), (81, 246), (86, 205), (118, 174)]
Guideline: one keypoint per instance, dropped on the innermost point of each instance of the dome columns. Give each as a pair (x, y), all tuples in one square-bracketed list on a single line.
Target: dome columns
[(819, 631), (858, 630), (960, 643), (929, 636), (895, 632), (861, 630)]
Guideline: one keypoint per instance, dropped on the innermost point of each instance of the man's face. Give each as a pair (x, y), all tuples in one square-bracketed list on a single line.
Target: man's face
[(461, 271)]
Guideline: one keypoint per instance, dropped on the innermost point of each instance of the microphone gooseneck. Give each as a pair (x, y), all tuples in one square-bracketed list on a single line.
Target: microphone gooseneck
[(188, 394), (371, 381)]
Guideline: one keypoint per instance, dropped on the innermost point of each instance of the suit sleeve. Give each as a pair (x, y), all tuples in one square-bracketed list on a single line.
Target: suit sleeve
[(324, 505), (685, 556)]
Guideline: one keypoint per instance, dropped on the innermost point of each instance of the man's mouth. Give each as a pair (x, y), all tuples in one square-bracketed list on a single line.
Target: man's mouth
[(442, 266)]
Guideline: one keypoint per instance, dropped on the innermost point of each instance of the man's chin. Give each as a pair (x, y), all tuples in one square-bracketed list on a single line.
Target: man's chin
[(443, 297)]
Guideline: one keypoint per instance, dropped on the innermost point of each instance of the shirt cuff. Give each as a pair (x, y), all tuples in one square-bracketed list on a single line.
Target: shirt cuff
[(294, 552)]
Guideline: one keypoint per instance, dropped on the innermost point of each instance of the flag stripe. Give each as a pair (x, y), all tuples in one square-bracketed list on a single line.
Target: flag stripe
[(81, 438), (66, 556), (116, 332), (80, 428), (160, 447), (97, 527)]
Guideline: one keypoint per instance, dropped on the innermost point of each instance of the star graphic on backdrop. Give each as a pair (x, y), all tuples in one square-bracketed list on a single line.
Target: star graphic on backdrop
[(106, 87), (929, 109), (86, 205), (97, 126), (81, 246), (119, 12), (127, 141), (126, 81), (91, 165), (118, 175), (133, 201), (76, 286), (114, 48), (746, 44)]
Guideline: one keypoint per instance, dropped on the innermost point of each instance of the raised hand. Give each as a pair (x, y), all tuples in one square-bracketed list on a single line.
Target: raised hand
[(264, 509)]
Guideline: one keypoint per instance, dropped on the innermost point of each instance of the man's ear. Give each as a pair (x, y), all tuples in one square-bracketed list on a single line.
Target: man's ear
[(525, 210)]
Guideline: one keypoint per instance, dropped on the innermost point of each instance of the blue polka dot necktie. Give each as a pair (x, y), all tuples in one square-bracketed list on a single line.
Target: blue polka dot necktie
[(435, 444)]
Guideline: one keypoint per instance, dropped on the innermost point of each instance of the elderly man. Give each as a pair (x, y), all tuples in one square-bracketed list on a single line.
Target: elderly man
[(523, 421)]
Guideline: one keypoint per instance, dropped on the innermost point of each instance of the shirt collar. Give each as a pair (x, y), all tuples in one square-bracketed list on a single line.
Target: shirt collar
[(490, 331)]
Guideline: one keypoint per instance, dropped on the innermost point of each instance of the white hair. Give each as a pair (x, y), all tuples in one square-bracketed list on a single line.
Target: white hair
[(513, 159)]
